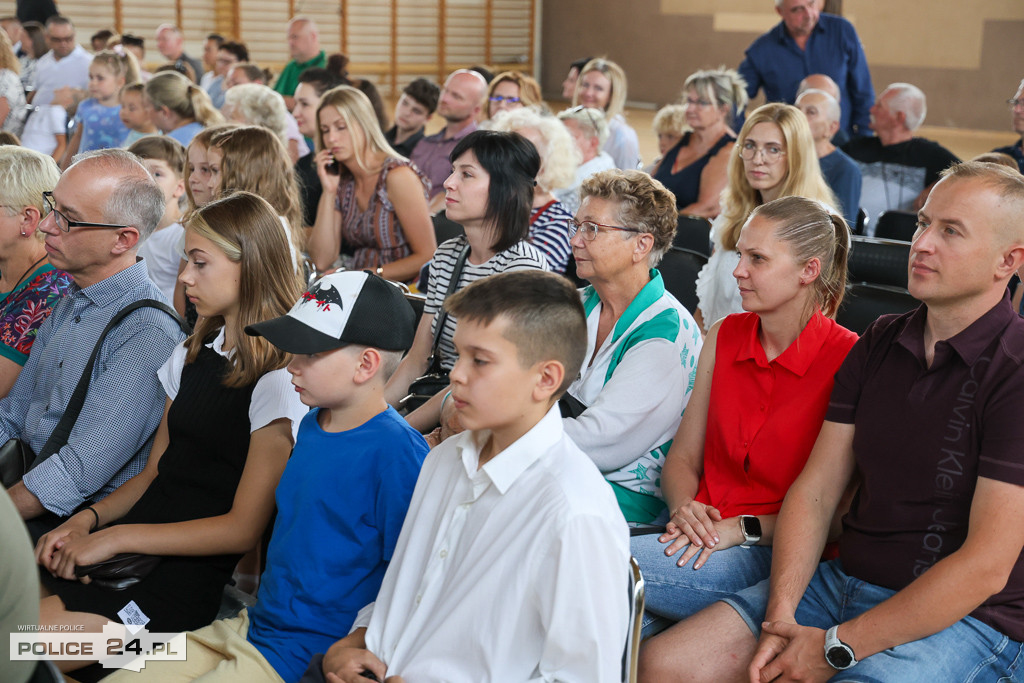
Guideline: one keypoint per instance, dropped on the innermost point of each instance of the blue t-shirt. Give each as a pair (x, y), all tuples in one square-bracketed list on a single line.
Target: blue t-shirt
[(101, 126), (185, 134), (340, 506)]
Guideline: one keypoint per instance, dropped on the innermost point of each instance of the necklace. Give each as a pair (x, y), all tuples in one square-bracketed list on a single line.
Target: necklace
[(20, 279)]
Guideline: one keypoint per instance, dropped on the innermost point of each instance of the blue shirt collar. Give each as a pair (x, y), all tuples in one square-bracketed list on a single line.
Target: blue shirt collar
[(114, 287)]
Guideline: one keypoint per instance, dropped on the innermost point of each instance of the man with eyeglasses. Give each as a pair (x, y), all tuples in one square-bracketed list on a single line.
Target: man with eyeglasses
[(1016, 150), (809, 41), (101, 209)]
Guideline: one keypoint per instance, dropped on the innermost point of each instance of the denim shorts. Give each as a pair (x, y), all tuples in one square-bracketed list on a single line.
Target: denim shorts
[(968, 651), (672, 593)]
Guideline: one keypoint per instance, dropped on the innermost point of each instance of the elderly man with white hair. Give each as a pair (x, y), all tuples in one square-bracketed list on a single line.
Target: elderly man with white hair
[(840, 171), (898, 169), (589, 130)]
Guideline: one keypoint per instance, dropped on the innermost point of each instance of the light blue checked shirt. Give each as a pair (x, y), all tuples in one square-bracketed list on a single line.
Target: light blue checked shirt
[(125, 401)]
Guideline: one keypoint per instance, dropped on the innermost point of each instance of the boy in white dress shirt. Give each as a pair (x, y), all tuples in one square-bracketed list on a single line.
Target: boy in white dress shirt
[(512, 563)]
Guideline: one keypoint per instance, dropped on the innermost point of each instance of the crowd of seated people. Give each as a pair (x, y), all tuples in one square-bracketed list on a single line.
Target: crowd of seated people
[(225, 267)]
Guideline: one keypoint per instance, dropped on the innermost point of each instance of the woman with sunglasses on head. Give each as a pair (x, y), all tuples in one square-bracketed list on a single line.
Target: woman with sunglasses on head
[(490, 193), (773, 157), (642, 344), (694, 169)]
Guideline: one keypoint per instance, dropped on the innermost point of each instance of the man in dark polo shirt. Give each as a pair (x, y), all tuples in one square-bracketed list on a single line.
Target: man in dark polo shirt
[(925, 418)]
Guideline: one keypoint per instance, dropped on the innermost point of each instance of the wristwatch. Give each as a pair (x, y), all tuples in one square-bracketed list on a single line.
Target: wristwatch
[(750, 527), (838, 654)]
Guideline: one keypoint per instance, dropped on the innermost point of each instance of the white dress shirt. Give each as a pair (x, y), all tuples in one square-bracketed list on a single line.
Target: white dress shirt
[(514, 571)]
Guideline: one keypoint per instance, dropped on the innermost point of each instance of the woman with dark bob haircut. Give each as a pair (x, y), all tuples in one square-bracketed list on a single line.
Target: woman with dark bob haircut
[(489, 192)]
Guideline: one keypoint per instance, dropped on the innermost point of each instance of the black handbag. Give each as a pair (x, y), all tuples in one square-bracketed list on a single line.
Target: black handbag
[(16, 457), (120, 571), (436, 379)]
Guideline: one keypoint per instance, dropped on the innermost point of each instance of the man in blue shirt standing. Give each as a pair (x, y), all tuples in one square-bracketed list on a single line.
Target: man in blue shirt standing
[(807, 42), (102, 208)]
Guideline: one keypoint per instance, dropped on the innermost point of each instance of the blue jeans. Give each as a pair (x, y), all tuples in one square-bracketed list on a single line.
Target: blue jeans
[(969, 650), (672, 593)]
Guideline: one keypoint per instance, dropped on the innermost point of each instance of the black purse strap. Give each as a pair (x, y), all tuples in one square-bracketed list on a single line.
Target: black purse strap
[(443, 317), (62, 432)]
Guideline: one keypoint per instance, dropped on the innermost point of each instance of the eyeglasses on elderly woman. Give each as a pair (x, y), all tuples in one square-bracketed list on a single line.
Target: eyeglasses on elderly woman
[(589, 229)]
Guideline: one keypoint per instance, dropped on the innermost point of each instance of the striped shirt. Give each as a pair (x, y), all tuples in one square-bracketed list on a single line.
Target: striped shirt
[(549, 232), (520, 256), (108, 444)]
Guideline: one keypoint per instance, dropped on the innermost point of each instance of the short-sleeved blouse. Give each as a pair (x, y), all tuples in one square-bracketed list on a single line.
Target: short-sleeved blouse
[(373, 237), (763, 417), (520, 256), (23, 310), (717, 292), (622, 144), (11, 89)]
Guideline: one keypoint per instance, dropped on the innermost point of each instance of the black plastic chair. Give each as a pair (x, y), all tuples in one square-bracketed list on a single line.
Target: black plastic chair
[(693, 233), (896, 225), (864, 303), (445, 229), (862, 222), (679, 270), (879, 262)]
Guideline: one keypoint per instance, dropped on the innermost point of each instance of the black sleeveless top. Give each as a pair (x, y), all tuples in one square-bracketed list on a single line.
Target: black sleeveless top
[(685, 185), (208, 426)]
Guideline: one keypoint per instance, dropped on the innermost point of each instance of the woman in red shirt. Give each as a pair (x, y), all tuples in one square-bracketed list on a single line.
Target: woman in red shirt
[(762, 388)]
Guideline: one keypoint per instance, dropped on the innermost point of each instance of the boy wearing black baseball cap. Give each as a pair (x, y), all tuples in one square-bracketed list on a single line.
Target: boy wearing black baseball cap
[(344, 493)]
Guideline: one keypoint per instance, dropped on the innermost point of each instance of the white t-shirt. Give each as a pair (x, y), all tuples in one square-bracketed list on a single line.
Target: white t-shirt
[(52, 73), (162, 252), (273, 397), (42, 128)]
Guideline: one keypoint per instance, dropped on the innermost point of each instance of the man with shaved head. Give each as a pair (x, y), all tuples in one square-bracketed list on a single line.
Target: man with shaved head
[(304, 48), (102, 208), (170, 41), (925, 421), (461, 101), (808, 41)]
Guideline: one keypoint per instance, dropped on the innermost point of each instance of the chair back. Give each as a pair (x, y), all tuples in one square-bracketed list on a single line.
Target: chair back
[(693, 233), (631, 655), (878, 261), (446, 229), (864, 303), (679, 268), (896, 225)]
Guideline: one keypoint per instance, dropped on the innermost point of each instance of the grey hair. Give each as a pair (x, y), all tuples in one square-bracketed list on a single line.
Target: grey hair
[(911, 101), (591, 120), (832, 108), (259, 106), (136, 199)]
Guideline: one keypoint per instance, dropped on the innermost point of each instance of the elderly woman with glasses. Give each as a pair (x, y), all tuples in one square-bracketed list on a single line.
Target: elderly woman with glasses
[(774, 156), (642, 344), (29, 286), (694, 168)]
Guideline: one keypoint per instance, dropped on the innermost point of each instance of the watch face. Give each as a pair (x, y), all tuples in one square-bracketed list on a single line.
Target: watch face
[(838, 657), (751, 526)]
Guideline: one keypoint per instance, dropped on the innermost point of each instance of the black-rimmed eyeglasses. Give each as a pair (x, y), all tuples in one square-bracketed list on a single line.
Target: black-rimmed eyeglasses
[(65, 223)]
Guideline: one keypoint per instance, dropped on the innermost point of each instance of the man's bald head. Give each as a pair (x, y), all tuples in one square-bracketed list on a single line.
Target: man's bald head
[(820, 82), (303, 39)]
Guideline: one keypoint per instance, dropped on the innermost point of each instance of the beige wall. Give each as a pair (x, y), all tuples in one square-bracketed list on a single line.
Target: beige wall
[(968, 56)]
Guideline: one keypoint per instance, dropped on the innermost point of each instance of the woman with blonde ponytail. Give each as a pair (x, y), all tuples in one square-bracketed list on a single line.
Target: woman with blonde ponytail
[(180, 108), (763, 382)]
